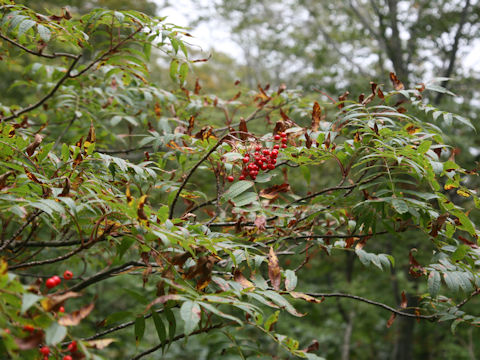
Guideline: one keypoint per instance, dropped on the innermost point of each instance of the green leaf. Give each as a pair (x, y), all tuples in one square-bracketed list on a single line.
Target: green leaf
[(460, 252), (290, 280), (236, 189), (28, 300), (174, 69), (272, 319), (44, 32), (25, 26), (55, 333), (424, 146), (172, 324), (190, 313), (183, 72), (161, 331), (400, 206), (139, 328), (434, 282)]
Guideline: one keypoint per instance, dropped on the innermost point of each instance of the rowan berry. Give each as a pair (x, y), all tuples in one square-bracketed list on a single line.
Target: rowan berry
[(276, 146), (283, 135), (284, 146), (284, 140), (271, 166), (264, 167), (258, 148), (274, 153), (230, 178), (29, 328), (61, 309), (72, 347), (45, 350), (241, 177), (67, 275), (50, 283), (67, 357), (277, 137)]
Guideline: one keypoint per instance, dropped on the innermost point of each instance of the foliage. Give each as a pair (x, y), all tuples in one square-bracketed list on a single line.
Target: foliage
[(111, 177)]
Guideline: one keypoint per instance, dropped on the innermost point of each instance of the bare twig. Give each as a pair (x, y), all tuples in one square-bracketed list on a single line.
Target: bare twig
[(50, 56), (20, 229)]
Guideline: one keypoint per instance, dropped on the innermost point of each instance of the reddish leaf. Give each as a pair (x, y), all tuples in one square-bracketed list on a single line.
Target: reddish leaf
[(274, 270), (197, 87), (416, 270), (342, 98), (404, 302), (32, 341), (391, 320), (243, 129), (314, 346)]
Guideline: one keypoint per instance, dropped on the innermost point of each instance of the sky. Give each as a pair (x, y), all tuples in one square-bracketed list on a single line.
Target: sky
[(216, 34)]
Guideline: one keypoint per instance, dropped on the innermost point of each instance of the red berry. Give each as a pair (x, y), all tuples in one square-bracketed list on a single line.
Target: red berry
[(273, 161), (259, 163), (276, 146), (50, 283), (271, 166), (258, 148), (246, 159), (28, 328), (266, 152), (284, 140), (61, 309), (277, 137), (274, 153), (72, 347), (264, 167), (283, 135), (284, 146), (67, 275), (241, 177), (252, 173), (45, 350), (67, 357), (7, 331), (263, 158), (254, 177), (230, 178)]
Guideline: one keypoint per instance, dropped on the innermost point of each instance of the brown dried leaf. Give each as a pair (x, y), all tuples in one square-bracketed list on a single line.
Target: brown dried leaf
[(74, 318), (66, 188), (191, 124), (197, 87), (391, 320), (91, 134), (51, 301), (100, 344), (306, 297), (397, 84), (316, 115), (242, 280), (260, 222), (342, 98), (314, 346), (274, 270), (163, 299), (36, 142), (243, 129), (404, 302), (32, 177), (274, 191), (32, 341)]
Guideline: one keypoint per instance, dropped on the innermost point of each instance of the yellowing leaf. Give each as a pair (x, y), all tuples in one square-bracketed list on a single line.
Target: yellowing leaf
[(274, 270), (306, 297), (449, 186), (463, 193), (100, 344), (49, 302)]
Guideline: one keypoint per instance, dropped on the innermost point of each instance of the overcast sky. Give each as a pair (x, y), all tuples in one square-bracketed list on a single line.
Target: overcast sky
[(217, 35)]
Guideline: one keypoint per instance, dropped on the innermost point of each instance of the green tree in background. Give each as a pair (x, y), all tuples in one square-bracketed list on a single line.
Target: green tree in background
[(141, 220)]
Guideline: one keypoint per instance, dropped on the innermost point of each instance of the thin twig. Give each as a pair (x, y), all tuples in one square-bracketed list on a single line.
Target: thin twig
[(178, 337), (205, 157), (50, 56), (20, 229), (46, 97)]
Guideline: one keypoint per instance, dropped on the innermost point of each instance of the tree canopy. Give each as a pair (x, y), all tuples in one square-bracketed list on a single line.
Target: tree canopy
[(137, 216)]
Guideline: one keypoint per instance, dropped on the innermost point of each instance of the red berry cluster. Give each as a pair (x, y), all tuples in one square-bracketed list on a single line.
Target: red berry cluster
[(72, 347), (261, 159), (55, 280)]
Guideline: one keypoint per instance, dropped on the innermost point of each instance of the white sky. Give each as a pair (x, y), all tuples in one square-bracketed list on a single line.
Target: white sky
[(217, 35)]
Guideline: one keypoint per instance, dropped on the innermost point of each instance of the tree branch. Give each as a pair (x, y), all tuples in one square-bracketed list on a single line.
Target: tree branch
[(49, 56), (67, 75), (20, 229), (178, 337)]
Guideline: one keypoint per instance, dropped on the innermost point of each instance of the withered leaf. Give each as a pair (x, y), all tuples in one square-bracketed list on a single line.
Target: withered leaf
[(416, 270), (163, 299), (391, 320), (66, 188), (197, 87), (100, 344), (397, 84), (316, 115), (74, 318), (274, 191), (51, 301), (242, 280), (274, 270), (314, 346), (403, 304), (91, 134), (306, 297), (260, 222), (191, 124), (4, 177), (32, 146), (342, 98), (32, 177), (242, 128), (32, 341)]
